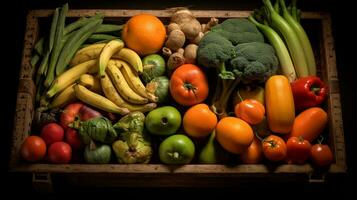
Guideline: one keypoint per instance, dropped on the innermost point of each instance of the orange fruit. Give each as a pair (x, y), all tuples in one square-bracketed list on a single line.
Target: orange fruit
[(199, 121), (234, 134), (144, 33)]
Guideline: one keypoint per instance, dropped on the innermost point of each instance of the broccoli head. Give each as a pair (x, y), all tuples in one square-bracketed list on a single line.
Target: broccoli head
[(238, 31), (214, 49), (255, 62), (237, 50)]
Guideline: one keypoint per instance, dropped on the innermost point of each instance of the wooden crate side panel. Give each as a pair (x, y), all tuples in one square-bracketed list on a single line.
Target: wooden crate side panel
[(26, 91), (334, 102)]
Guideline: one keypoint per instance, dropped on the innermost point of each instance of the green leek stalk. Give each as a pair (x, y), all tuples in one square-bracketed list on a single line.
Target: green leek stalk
[(294, 12), (282, 52), (291, 39), (303, 38)]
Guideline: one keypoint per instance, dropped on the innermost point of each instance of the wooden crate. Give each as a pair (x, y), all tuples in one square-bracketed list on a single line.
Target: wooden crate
[(319, 27)]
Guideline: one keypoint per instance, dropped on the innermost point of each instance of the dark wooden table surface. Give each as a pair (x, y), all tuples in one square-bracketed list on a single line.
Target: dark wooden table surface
[(13, 27)]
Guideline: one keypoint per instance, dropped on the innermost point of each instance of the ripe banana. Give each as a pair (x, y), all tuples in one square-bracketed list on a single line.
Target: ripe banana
[(123, 87), (70, 76), (98, 101), (111, 93), (90, 82), (89, 54), (131, 57), (92, 46), (108, 50), (132, 78), (65, 97)]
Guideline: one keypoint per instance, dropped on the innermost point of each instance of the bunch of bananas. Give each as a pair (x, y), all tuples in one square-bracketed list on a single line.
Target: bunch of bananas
[(105, 76)]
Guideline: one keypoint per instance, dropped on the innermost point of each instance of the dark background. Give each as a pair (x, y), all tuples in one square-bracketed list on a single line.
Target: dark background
[(14, 25)]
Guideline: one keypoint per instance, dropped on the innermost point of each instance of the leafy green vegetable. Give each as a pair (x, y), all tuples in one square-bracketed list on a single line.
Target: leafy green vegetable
[(97, 129)]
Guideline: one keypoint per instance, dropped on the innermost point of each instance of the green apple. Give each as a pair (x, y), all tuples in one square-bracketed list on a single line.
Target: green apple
[(177, 149), (165, 120)]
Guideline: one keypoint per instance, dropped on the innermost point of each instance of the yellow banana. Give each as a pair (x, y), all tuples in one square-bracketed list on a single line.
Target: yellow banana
[(89, 54), (65, 97), (131, 57), (111, 93), (108, 50), (132, 78), (70, 76), (90, 82), (92, 46), (98, 101), (123, 87)]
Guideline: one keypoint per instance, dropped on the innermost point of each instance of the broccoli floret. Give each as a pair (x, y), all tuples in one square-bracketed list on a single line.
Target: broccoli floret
[(238, 31), (214, 50), (255, 62)]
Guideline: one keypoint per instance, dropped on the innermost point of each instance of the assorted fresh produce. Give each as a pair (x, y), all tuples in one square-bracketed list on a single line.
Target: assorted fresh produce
[(185, 92)]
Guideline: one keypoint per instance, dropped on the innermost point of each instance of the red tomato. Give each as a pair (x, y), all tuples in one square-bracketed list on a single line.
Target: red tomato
[(298, 150), (73, 139), (321, 155), (250, 110), (52, 133), (33, 148), (188, 85), (60, 153), (274, 148)]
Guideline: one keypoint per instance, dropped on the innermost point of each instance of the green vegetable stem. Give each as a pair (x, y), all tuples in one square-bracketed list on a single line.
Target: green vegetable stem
[(295, 48), (302, 37)]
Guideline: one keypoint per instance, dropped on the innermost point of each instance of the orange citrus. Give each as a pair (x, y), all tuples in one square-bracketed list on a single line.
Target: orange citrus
[(144, 33)]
